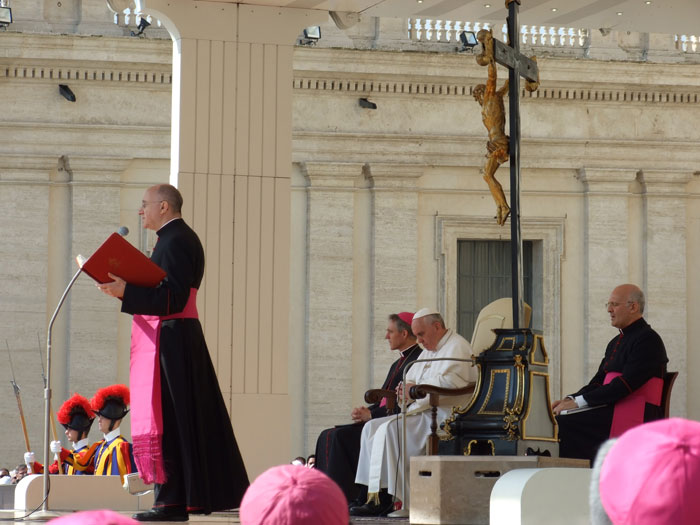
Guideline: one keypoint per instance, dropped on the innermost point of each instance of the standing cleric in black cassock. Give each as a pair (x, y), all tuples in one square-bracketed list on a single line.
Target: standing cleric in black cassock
[(203, 463), (338, 448)]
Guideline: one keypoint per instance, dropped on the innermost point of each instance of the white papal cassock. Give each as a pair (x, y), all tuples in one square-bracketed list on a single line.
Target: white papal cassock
[(379, 465)]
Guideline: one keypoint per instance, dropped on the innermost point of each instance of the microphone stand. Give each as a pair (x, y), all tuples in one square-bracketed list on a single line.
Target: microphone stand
[(404, 512), (44, 513)]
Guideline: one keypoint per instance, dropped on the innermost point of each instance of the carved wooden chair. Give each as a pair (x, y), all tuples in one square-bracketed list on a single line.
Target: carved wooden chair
[(669, 379), (419, 392)]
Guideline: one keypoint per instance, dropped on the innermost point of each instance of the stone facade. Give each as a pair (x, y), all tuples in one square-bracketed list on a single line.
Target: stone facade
[(379, 198), (70, 174), (609, 191)]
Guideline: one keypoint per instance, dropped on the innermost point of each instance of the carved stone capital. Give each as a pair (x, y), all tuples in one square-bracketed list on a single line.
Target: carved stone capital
[(398, 177), (604, 180), (665, 182), (38, 169), (333, 175)]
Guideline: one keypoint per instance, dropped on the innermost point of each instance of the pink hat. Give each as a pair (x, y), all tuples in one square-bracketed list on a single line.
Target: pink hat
[(90, 517), (651, 475), (406, 317), (290, 495)]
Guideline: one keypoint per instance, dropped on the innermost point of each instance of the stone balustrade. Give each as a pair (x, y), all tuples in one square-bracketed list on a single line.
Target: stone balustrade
[(688, 43), (445, 31), (442, 36)]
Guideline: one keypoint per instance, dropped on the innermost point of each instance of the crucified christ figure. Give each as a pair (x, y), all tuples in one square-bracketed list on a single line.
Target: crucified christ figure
[(493, 116)]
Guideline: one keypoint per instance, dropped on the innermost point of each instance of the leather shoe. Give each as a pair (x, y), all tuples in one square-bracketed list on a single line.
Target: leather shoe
[(357, 503), (161, 514), (372, 509)]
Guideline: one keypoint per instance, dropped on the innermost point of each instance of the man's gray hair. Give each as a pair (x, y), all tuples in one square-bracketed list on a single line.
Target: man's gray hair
[(432, 318), (637, 296), (171, 195)]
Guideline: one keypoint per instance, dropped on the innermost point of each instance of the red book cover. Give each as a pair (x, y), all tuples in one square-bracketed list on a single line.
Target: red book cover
[(119, 257)]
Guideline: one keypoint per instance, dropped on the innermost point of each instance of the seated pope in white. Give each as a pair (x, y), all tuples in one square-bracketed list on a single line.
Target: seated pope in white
[(381, 438)]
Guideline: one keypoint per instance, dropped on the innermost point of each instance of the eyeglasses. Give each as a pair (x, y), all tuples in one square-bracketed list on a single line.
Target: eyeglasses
[(615, 305), (146, 203)]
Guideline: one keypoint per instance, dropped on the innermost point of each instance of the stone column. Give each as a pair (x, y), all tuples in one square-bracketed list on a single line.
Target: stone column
[(665, 201), (231, 158), (395, 253), (331, 348), (606, 248)]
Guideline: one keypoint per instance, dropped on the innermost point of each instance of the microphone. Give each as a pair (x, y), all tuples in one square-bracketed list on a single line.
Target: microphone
[(123, 231)]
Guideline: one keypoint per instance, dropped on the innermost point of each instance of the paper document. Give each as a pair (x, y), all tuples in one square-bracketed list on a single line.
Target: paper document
[(582, 409)]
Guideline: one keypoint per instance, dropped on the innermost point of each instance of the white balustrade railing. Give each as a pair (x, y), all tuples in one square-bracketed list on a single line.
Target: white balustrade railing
[(129, 19), (688, 43), (444, 31), (447, 31), (554, 36)]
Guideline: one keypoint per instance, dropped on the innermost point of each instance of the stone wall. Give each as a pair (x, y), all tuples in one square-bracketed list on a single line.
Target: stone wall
[(70, 174), (380, 198), (609, 192)]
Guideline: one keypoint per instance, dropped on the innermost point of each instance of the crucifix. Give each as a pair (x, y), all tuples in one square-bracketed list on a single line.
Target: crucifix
[(500, 147)]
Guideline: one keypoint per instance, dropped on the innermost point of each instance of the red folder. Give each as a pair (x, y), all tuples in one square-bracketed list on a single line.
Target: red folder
[(118, 257)]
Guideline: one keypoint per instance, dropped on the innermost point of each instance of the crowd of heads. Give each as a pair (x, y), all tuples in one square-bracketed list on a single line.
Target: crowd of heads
[(12, 477), (301, 461)]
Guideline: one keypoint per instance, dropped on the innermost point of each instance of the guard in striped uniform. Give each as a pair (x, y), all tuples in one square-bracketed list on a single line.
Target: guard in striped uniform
[(114, 455), (76, 416)]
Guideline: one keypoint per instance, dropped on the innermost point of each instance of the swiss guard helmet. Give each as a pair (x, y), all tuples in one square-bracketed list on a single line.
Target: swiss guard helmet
[(111, 402), (76, 414)]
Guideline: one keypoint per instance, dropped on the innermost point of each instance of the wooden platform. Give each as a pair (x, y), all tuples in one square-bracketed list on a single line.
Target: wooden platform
[(75, 493)]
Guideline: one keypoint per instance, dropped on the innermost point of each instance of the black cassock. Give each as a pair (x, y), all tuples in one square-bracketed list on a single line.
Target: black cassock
[(204, 466), (338, 449), (638, 353)]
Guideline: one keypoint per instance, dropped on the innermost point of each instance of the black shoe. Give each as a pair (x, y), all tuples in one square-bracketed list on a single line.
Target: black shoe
[(357, 502), (361, 496), (372, 509), (162, 514)]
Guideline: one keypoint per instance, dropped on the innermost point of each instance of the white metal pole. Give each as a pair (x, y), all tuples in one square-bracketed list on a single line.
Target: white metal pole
[(44, 514)]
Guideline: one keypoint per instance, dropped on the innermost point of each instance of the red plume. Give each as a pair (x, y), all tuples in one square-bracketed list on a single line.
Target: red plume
[(68, 407), (118, 391)]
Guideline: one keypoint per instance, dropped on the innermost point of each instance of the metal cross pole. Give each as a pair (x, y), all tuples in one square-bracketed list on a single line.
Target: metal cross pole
[(518, 65)]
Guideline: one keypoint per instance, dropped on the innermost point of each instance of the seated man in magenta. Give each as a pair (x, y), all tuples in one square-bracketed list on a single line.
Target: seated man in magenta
[(626, 390), (338, 449)]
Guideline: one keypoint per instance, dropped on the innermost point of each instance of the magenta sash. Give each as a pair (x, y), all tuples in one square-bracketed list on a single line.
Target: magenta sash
[(144, 382), (629, 411)]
